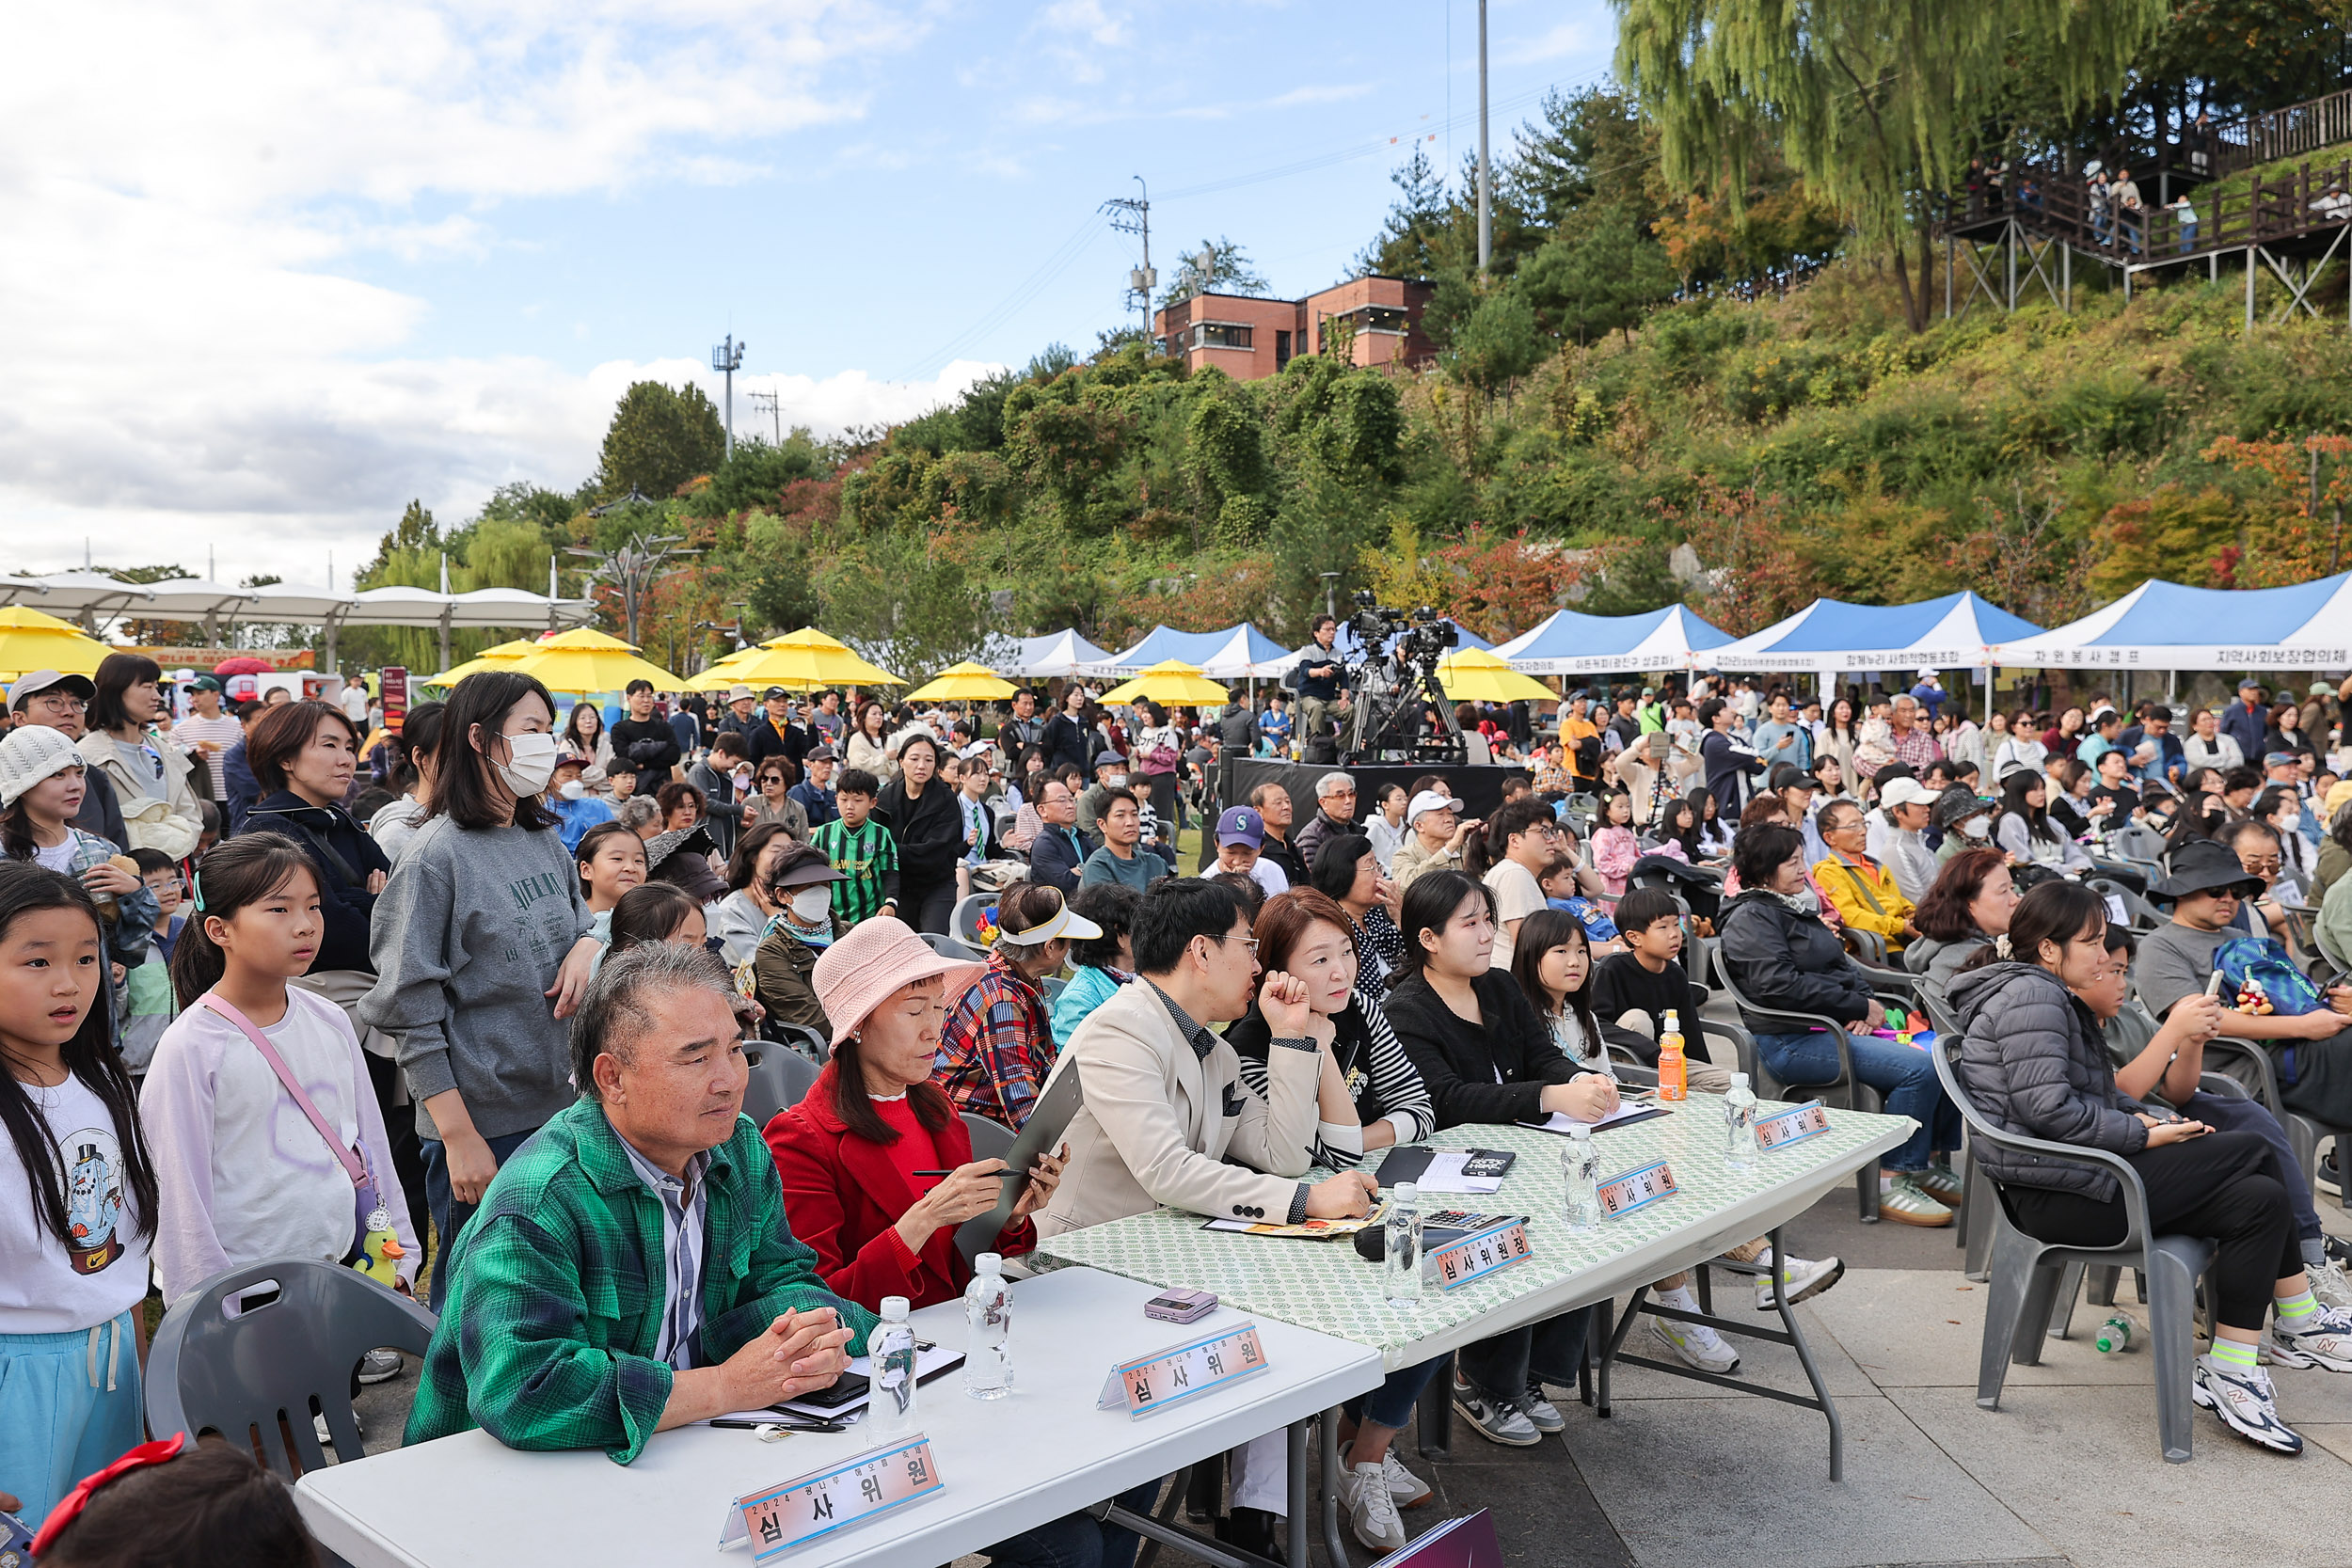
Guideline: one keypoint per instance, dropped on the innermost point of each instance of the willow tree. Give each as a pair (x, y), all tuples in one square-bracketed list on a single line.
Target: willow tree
[(1879, 104)]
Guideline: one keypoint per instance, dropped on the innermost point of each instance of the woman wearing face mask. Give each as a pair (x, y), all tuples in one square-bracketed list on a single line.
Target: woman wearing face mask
[(801, 889), (1966, 820), (481, 945), (2283, 808), (744, 912)]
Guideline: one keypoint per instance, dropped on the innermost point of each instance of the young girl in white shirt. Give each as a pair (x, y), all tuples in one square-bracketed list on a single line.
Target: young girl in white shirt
[(77, 1201), (245, 1173)]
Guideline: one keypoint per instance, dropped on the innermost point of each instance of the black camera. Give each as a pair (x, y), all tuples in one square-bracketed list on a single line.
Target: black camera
[(1427, 639), (1371, 625)]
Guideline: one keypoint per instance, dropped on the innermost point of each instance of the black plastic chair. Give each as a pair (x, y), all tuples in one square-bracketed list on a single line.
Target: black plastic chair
[(2029, 1275), (779, 1077), (801, 1039), (254, 1353), (991, 1140), (1859, 1096)]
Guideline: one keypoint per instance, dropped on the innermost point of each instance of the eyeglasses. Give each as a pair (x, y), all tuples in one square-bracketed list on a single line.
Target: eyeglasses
[(2261, 863), (1249, 942)]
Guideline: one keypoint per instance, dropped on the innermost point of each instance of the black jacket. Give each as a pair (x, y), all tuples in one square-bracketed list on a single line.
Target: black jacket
[(344, 855), (720, 806), (929, 829), (1781, 958), (2033, 1061), (762, 741), (652, 746), (1285, 854), (1065, 742), (1460, 1061), (1056, 856), (1321, 830), (1326, 687)]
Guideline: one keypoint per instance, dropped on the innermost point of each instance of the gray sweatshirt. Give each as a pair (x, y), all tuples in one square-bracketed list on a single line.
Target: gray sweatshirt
[(467, 937)]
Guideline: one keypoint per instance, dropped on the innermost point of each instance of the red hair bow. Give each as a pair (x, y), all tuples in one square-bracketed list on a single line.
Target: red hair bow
[(77, 1499)]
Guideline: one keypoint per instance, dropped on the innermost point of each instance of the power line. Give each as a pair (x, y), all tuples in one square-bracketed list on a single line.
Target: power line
[(1080, 239)]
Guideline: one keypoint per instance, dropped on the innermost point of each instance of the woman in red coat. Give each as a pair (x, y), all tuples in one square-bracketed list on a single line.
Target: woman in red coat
[(848, 1153)]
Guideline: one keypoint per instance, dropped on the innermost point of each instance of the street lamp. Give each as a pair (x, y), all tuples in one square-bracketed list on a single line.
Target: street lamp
[(633, 568)]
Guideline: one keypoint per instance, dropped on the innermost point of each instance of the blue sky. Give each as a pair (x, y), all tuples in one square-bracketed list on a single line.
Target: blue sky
[(300, 263)]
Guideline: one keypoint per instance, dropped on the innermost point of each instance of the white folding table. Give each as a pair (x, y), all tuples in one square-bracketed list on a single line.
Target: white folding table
[(1009, 1464)]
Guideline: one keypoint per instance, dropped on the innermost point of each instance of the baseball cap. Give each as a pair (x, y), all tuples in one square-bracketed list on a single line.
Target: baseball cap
[(42, 680), (822, 753), (1240, 825), (767, 696), (1426, 802), (1904, 792), (1110, 759), (1927, 675), (204, 682), (2280, 759)]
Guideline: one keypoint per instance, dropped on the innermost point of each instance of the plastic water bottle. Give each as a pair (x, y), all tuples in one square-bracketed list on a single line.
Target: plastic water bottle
[(1400, 1257), (2114, 1335), (988, 1343), (891, 1411), (1581, 1163), (1739, 1124)]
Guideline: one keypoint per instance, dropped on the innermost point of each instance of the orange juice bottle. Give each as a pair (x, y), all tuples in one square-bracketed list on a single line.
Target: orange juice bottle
[(1673, 1070)]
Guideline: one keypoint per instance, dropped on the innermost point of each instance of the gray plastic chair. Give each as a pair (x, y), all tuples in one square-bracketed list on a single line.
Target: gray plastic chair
[(991, 1140), (2029, 1275), (1859, 1095), (965, 922), (779, 1077), (803, 1040), (950, 947), (235, 1358)]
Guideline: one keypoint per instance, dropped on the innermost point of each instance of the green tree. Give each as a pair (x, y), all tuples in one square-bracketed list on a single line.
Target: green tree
[(1499, 343), (1225, 456), (900, 600), (1221, 267), (1601, 273), (661, 437), (1877, 103), (757, 473)]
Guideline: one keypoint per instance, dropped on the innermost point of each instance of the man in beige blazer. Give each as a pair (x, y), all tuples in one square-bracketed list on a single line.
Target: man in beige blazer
[(1164, 1106)]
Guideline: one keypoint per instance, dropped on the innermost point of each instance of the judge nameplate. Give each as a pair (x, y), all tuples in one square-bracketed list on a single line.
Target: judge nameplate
[(1621, 1195), (1480, 1254), (1169, 1377), (1791, 1126), (823, 1501)]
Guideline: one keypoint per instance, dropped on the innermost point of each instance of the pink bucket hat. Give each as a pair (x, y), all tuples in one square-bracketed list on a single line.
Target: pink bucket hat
[(863, 970)]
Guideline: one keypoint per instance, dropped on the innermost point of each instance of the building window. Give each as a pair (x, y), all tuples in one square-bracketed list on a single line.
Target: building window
[(1281, 348), (1220, 334), (1380, 318)]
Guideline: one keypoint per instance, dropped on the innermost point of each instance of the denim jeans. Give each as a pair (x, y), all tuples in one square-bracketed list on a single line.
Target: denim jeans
[(1076, 1540), (1551, 1351), (1392, 1403), (1901, 1073), (449, 1216)]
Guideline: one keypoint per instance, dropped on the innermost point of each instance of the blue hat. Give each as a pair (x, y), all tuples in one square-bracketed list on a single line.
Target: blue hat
[(1240, 825), (1110, 759)]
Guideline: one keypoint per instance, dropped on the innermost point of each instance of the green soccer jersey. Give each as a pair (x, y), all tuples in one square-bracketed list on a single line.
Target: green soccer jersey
[(863, 856)]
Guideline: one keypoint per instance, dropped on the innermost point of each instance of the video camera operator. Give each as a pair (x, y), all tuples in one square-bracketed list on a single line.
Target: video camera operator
[(1318, 680)]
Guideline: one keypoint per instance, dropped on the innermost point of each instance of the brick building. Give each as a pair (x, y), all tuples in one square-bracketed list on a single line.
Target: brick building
[(1250, 338)]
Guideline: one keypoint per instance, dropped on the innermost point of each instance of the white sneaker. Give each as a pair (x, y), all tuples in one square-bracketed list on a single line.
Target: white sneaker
[(381, 1366), (1496, 1422), (2330, 1285), (1371, 1509), (1408, 1489), (1807, 1278), (2245, 1402), (1695, 1344), (2325, 1340)]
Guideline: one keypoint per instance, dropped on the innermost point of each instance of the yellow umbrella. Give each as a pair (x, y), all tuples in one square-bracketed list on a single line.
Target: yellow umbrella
[(803, 660), (500, 658), (1170, 681), (584, 659), (964, 683), (31, 640), (1475, 675)]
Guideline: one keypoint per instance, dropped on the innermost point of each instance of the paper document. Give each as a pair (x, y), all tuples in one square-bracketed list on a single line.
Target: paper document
[(1444, 1174), (1627, 1110)]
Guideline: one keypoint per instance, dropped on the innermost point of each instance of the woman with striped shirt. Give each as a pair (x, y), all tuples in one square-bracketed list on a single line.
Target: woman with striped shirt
[(1371, 1098)]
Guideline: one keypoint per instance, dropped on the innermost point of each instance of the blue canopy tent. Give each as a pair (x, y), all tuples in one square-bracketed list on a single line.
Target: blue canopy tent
[(1233, 652), (1830, 638), (2169, 626), (1572, 644)]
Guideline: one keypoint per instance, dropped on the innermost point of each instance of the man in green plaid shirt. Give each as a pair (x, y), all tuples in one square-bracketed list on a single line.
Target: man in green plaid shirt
[(862, 849), (631, 1269)]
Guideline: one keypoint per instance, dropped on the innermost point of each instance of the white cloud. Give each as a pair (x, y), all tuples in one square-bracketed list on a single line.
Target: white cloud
[(196, 352)]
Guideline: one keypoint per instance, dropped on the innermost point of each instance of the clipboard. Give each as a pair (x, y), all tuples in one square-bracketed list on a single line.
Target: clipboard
[(1050, 1116)]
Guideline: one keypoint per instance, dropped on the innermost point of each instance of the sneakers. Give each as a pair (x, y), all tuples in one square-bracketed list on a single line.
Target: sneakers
[(1906, 1202), (1942, 1183), (1540, 1410), (1372, 1509), (1807, 1278), (381, 1366), (1408, 1489), (1696, 1344), (2242, 1397), (2330, 1285), (1506, 1424), (2327, 1342)]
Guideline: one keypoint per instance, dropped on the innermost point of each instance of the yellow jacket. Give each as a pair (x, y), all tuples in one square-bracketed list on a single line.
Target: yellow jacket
[(1866, 897)]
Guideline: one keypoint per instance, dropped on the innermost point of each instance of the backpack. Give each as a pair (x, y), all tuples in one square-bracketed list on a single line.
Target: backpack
[(2258, 978)]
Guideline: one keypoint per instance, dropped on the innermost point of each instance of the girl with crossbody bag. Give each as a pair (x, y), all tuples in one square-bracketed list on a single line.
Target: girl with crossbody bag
[(267, 1138)]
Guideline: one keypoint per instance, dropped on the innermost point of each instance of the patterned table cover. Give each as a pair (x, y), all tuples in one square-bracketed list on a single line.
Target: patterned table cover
[(1329, 1287)]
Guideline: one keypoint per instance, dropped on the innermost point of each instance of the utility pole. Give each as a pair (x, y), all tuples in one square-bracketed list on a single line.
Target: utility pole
[(1486, 172), (727, 358), (776, 410), (1132, 215)]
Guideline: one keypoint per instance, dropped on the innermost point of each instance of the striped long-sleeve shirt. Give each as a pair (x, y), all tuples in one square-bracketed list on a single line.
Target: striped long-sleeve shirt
[(1380, 1078)]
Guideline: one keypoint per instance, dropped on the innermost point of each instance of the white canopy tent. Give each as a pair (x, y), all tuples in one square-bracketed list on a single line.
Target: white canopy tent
[(2169, 626), (1061, 654)]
